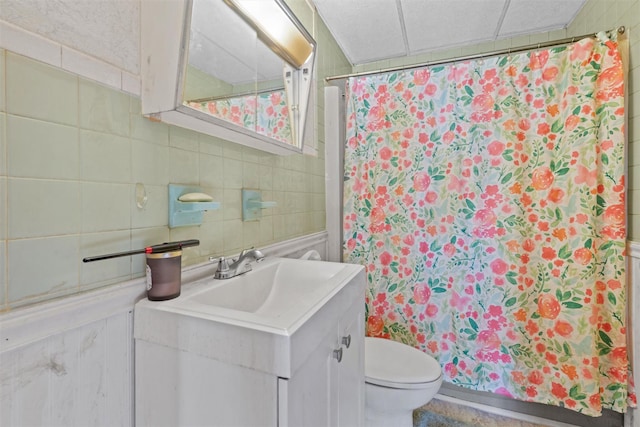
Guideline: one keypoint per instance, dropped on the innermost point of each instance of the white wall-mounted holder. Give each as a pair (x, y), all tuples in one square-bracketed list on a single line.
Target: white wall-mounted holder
[(187, 205), (252, 205)]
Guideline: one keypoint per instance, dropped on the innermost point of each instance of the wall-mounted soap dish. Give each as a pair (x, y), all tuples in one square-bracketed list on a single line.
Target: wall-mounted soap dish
[(252, 205), (187, 205)]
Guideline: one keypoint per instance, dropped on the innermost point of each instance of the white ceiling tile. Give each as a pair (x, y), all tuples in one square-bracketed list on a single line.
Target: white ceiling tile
[(437, 24), (371, 30), (526, 16), (366, 30)]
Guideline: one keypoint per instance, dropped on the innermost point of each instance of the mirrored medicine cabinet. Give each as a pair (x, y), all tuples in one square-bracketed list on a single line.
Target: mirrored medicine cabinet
[(241, 70)]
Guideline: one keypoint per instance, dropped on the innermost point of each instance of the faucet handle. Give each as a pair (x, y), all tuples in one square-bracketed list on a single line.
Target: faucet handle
[(245, 252)]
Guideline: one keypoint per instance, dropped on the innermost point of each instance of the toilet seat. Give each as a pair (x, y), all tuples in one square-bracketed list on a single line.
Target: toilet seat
[(396, 365)]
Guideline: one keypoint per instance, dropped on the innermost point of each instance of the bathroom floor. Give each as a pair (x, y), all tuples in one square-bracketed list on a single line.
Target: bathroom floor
[(439, 413)]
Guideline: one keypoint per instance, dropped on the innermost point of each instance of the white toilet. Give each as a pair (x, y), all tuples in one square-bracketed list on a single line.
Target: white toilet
[(399, 379)]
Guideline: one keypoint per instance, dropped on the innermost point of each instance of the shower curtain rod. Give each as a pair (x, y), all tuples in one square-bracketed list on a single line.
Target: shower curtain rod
[(507, 51)]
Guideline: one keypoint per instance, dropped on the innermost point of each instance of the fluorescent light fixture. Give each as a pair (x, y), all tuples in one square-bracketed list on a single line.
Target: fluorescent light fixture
[(277, 27)]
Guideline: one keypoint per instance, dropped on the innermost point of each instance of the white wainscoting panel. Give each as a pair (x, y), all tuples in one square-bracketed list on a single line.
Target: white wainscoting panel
[(69, 362), (78, 377)]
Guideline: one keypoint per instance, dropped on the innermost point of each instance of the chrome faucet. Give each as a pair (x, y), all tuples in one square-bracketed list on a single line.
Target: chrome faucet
[(239, 266)]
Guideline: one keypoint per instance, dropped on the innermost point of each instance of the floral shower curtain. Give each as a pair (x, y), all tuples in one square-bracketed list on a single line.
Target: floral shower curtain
[(486, 200)]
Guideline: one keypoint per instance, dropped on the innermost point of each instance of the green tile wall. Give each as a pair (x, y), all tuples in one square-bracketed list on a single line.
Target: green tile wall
[(71, 153)]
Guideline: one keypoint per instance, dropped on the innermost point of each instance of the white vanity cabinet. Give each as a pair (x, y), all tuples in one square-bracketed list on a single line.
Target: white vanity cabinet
[(328, 390), (220, 367)]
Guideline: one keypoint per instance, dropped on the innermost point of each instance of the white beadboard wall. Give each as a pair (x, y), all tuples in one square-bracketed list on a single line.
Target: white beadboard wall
[(78, 377), (69, 362)]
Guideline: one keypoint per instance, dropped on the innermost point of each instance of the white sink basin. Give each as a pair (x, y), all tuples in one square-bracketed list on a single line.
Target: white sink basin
[(271, 289), (262, 319)]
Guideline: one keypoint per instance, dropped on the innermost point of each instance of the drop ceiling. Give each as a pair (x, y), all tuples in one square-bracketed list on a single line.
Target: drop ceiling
[(372, 30)]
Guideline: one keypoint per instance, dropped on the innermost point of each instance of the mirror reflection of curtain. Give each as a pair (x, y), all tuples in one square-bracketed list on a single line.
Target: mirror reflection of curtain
[(266, 113), (486, 200), (232, 75)]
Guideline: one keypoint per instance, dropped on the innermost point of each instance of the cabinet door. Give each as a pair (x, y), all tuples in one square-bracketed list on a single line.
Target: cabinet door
[(306, 398), (328, 389), (350, 378)]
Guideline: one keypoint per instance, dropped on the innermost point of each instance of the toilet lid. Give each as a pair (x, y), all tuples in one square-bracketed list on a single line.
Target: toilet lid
[(393, 364)]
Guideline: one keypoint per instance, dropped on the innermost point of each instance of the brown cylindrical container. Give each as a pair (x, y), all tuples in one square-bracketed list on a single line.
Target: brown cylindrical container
[(163, 275)]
